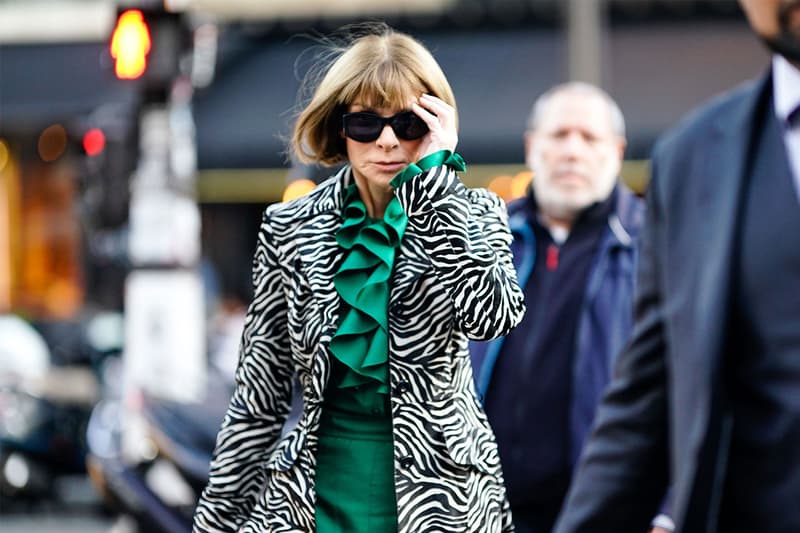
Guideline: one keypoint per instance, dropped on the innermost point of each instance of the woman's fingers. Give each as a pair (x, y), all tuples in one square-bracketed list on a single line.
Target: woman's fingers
[(437, 109), (436, 104), (440, 118)]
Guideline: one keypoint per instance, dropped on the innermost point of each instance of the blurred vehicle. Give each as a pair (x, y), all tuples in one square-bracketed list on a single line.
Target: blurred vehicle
[(48, 386), (149, 457)]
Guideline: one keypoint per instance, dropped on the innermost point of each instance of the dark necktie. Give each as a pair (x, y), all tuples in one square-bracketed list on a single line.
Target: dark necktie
[(793, 119)]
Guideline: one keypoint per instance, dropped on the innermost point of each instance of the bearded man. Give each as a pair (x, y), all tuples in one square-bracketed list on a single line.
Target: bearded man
[(575, 252)]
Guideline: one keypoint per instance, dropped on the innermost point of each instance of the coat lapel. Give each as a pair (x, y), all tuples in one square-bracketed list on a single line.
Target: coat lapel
[(720, 201), (318, 259), (724, 176)]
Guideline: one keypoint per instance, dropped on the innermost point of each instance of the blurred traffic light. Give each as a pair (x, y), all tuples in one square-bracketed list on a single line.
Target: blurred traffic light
[(147, 43), (94, 141), (105, 150), (130, 45)]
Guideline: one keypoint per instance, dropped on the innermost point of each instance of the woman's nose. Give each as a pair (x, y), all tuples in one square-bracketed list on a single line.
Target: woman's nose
[(387, 138)]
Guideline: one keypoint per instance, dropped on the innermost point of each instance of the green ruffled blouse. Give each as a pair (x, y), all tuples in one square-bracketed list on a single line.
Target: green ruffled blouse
[(361, 342)]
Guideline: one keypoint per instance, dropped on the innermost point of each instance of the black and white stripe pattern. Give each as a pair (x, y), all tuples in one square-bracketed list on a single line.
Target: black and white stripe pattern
[(453, 280)]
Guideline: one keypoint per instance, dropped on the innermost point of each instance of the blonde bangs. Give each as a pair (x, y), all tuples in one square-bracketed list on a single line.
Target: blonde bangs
[(385, 85)]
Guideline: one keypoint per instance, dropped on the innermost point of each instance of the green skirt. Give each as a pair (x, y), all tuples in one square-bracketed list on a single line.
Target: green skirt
[(355, 464)]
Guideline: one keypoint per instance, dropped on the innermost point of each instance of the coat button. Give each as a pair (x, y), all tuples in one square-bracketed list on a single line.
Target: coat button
[(406, 462), (401, 388), (396, 309)]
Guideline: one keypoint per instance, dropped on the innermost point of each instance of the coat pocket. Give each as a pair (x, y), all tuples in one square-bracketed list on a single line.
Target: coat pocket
[(468, 442)]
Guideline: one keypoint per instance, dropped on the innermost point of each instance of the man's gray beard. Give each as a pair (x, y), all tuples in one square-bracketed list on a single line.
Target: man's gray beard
[(551, 205)]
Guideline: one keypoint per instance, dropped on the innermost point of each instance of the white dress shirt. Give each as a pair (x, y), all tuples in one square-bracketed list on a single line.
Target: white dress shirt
[(786, 92)]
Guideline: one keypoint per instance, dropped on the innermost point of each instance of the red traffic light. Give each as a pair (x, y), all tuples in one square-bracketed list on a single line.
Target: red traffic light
[(94, 141), (130, 44)]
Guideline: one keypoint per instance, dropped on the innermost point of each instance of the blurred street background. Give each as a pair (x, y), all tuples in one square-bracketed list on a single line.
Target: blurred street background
[(139, 144)]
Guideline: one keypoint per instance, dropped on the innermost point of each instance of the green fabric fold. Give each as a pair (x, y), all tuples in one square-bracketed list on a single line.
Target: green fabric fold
[(361, 341), (436, 159)]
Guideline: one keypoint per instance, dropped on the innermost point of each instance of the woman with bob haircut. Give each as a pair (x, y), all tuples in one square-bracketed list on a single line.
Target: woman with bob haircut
[(367, 290)]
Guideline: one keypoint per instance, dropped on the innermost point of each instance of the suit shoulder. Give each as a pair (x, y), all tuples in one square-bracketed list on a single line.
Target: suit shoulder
[(697, 123)]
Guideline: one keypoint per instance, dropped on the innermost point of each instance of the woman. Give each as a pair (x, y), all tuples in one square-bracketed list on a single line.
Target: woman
[(366, 293)]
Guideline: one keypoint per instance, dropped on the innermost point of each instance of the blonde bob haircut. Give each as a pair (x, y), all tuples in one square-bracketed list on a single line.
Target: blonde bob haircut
[(383, 68)]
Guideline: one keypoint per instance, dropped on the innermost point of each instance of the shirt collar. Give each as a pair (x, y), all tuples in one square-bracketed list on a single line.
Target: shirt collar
[(786, 87)]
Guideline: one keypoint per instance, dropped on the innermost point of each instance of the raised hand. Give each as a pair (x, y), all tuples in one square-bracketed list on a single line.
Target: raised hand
[(441, 120)]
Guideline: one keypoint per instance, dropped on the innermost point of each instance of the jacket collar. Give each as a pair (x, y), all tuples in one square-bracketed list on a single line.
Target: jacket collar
[(624, 216), (329, 195), (729, 150)]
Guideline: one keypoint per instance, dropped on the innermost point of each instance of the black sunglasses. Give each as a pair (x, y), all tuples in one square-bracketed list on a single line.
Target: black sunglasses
[(366, 127)]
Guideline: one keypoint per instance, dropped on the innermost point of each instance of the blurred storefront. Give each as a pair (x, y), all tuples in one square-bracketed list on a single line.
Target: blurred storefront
[(53, 192)]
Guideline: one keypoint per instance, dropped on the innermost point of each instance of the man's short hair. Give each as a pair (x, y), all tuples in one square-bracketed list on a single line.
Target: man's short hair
[(541, 103)]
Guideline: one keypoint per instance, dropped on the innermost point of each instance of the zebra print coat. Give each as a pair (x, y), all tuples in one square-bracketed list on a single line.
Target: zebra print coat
[(453, 279)]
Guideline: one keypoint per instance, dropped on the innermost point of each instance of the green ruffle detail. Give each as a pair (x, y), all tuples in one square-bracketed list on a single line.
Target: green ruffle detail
[(361, 341), (436, 159)]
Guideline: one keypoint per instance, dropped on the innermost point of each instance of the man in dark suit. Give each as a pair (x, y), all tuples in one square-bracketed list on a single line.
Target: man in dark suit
[(706, 396)]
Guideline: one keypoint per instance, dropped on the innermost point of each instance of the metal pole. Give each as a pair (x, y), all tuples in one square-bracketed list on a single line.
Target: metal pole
[(585, 29)]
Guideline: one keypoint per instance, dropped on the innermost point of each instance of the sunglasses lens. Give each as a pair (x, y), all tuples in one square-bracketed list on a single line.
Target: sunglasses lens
[(407, 125), (366, 127), (362, 127)]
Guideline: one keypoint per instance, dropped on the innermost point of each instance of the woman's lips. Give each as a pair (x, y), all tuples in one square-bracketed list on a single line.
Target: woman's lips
[(390, 166)]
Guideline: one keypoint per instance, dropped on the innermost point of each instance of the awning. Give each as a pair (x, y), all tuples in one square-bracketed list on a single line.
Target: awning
[(42, 84)]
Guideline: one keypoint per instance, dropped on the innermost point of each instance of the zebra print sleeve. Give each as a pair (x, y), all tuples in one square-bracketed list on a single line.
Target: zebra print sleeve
[(467, 240), (260, 401)]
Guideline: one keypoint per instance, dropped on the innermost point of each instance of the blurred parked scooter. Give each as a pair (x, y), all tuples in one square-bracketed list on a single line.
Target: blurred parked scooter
[(48, 386), (157, 485), (155, 478), (149, 456)]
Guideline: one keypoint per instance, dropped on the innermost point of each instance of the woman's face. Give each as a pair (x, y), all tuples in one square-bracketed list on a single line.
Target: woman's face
[(376, 162)]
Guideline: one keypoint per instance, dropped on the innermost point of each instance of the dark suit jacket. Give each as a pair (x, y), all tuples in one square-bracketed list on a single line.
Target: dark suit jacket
[(664, 405)]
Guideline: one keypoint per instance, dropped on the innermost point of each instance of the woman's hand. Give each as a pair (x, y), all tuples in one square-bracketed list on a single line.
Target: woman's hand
[(441, 120)]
